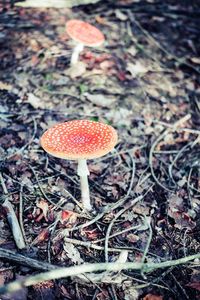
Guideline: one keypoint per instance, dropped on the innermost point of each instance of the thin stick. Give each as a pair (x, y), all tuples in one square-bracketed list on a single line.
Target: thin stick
[(40, 186), (21, 212), (87, 268), (134, 227), (128, 206), (3, 185), (91, 245), (166, 131), (180, 152), (25, 261), (11, 218)]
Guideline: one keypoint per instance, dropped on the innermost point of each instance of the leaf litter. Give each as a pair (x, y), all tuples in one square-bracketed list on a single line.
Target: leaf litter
[(142, 81)]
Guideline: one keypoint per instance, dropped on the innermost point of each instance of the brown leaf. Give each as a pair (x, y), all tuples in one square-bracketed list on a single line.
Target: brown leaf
[(132, 238), (43, 205), (43, 235), (103, 295), (68, 216), (5, 275), (152, 297), (194, 285), (44, 290), (182, 219), (100, 20)]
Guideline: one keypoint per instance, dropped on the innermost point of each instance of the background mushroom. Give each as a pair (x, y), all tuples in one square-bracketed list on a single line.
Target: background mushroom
[(80, 140), (84, 34)]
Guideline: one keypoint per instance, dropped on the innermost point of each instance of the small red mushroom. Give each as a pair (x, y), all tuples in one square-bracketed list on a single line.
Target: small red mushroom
[(80, 140), (84, 34)]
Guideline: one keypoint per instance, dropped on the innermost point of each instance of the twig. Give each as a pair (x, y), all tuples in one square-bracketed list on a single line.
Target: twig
[(25, 261), (128, 206), (179, 285), (153, 281), (11, 217), (21, 212), (135, 227), (188, 187), (151, 160), (113, 292), (91, 245), (3, 185), (52, 230), (74, 199), (40, 187), (61, 234), (166, 131), (174, 161), (87, 268)]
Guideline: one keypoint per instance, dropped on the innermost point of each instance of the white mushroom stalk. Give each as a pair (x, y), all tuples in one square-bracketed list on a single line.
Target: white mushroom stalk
[(75, 54), (83, 173)]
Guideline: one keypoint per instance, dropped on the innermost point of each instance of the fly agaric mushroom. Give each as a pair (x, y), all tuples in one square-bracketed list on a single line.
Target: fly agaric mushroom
[(80, 140), (84, 34)]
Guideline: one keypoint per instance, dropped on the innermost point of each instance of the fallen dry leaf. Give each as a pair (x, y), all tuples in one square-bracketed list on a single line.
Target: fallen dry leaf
[(132, 238), (132, 50), (100, 20), (5, 86), (102, 295), (152, 297), (90, 234), (194, 285), (137, 69), (72, 253), (44, 290), (182, 219), (34, 101), (5, 276), (43, 205), (68, 216), (120, 15), (77, 70), (195, 60), (43, 235), (100, 100), (131, 293)]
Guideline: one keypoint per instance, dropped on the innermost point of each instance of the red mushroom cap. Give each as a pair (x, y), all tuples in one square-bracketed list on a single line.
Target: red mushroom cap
[(79, 139), (84, 33)]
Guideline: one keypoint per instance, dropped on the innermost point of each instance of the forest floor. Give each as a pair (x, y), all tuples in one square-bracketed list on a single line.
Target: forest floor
[(145, 82)]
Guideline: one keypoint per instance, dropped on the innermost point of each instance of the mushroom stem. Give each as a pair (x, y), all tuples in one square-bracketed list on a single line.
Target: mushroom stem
[(83, 172), (75, 54)]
